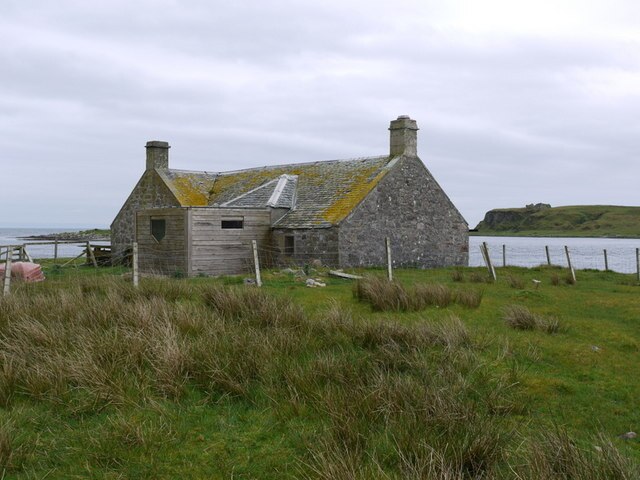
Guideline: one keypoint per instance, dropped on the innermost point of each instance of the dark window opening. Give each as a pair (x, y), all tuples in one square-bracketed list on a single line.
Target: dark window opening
[(289, 245), (232, 223), (158, 228)]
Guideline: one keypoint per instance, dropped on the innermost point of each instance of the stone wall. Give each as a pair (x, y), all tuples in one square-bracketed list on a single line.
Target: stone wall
[(309, 245), (408, 206), (150, 192)]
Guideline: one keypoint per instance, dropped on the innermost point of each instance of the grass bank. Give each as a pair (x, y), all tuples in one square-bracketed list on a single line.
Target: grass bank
[(568, 221), (203, 378)]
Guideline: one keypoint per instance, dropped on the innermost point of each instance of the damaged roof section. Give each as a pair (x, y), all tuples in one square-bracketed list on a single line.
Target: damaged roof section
[(318, 194)]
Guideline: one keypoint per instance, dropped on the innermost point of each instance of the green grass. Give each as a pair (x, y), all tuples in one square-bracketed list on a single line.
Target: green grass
[(203, 378), (569, 221)]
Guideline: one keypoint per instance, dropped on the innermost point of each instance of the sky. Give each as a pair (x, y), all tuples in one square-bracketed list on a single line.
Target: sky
[(517, 101)]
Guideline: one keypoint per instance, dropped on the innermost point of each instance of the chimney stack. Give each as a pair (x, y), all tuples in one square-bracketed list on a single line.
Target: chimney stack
[(157, 154), (404, 136)]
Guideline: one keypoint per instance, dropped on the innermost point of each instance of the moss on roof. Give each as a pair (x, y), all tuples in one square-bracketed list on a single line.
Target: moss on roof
[(326, 191), (350, 198), (190, 188)]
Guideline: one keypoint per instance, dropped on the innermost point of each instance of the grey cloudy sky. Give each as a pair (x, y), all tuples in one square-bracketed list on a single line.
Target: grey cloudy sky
[(517, 101)]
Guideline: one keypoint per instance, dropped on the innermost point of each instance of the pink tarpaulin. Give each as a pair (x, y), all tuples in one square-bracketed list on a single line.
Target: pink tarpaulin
[(27, 271)]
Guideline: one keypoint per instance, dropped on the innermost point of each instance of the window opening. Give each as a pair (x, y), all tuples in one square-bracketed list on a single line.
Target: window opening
[(158, 228), (289, 245), (232, 223)]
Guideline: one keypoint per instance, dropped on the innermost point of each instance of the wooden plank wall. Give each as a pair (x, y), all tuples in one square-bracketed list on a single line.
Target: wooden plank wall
[(217, 251), (169, 255)]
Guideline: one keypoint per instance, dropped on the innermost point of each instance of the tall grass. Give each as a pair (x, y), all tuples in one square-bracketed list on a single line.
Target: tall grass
[(383, 399), (554, 454), (521, 318), (384, 295)]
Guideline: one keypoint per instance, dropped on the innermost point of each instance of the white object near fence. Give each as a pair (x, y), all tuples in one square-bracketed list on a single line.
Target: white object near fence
[(254, 244), (389, 264), (7, 273), (136, 278), (573, 272)]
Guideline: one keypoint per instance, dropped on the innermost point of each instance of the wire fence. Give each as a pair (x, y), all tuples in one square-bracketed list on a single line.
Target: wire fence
[(618, 255), (251, 256)]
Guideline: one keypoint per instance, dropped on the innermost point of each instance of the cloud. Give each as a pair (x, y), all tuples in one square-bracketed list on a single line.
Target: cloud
[(537, 102)]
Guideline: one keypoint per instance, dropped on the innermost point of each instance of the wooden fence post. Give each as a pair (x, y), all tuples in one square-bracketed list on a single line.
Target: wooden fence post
[(134, 261), (389, 264), (254, 245), (90, 255), (606, 261), (573, 273), (55, 251), (546, 249), (492, 270), (484, 257), (638, 264), (504, 255), (7, 273), (27, 257)]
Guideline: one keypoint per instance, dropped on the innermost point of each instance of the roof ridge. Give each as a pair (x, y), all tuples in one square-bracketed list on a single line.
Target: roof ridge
[(282, 184), (283, 165), (188, 171), (280, 165)]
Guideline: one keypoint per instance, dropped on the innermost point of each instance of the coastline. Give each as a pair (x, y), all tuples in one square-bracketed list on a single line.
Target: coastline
[(550, 235), (96, 234)]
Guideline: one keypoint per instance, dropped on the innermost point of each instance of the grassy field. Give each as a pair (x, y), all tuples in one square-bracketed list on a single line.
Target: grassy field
[(569, 221), (438, 375)]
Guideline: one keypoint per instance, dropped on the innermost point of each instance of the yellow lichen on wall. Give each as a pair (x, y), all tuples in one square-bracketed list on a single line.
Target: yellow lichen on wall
[(351, 196), (189, 192)]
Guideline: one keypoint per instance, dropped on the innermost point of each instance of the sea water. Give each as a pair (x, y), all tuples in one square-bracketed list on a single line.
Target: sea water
[(585, 253), (15, 236)]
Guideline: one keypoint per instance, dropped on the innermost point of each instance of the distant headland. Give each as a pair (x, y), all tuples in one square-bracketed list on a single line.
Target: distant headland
[(95, 234), (543, 220)]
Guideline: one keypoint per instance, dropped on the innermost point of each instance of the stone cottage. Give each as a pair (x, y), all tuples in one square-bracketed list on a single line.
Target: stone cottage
[(338, 212)]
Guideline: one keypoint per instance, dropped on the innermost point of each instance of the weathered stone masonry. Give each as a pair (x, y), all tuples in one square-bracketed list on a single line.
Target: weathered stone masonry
[(150, 192), (338, 212), (410, 208)]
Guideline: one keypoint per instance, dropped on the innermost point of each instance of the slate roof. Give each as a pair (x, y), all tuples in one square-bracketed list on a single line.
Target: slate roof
[(190, 188), (318, 194)]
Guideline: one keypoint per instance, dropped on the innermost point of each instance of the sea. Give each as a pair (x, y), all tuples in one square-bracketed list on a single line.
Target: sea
[(16, 236), (585, 253)]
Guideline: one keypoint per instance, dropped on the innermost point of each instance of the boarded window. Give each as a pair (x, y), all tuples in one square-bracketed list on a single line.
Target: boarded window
[(232, 223), (158, 228), (289, 245)]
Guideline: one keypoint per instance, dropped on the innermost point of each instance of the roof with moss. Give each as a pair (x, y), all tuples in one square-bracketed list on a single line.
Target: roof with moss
[(318, 194)]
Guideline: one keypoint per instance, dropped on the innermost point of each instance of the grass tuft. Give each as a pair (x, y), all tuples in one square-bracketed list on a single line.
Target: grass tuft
[(521, 318), (515, 282), (384, 295)]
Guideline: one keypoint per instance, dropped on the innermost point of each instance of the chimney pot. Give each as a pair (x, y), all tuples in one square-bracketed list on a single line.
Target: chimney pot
[(404, 136), (157, 154)]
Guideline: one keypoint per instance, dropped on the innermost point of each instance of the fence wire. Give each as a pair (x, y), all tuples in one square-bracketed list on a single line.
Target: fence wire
[(238, 257), (585, 253)]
